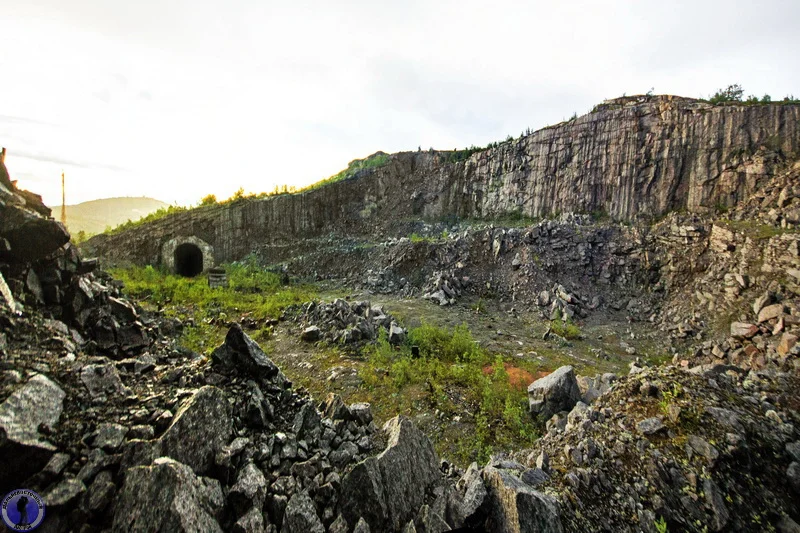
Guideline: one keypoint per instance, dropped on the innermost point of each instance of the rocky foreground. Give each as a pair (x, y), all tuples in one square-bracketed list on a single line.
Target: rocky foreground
[(120, 429)]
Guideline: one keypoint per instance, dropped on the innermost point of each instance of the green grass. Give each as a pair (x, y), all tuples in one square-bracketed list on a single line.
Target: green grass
[(754, 229), (374, 161), (565, 329), (253, 292), (457, 377)]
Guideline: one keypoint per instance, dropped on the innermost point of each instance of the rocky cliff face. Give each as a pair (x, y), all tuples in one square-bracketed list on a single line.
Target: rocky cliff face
[(628, 158)]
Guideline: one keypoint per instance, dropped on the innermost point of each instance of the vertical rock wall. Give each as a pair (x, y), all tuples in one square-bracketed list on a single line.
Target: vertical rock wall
[(630, 157)]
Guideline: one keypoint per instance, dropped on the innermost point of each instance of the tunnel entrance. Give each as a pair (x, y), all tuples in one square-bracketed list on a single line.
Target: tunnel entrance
[(188, 260)]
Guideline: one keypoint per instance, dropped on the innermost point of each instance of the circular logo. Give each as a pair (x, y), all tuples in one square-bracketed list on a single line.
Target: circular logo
[(23, 510)]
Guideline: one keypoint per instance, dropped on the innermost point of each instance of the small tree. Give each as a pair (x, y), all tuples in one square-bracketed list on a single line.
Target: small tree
[(733, 93), (208, 200)]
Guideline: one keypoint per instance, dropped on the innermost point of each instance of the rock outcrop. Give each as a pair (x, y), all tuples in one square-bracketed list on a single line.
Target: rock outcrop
[(629, 157)]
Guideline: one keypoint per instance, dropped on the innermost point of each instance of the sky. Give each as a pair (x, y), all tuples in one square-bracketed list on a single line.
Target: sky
[(177, 99)]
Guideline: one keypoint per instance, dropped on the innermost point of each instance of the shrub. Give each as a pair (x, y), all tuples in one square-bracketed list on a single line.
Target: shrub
[(732, 93), (565, 328), (208, 200)]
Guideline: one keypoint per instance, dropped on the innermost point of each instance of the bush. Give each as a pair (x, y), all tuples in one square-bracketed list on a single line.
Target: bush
[(732, 93), (566, 329)]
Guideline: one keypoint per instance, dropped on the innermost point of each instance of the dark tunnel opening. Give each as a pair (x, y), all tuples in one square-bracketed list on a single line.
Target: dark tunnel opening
[(188, 260)]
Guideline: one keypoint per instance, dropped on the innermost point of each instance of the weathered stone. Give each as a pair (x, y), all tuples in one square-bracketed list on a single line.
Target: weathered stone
[(742, 330), (388, 490), (65, 493), (516, 507), (650, 426), (475, 503), (249, 490), (250, 522), (361, 412), (397, 335), (103, 381), (199, 430), (109, 436), (23, 451), (311, 334), (556, 392), (770, 312), (301, 516), (788, 342), (241, 352), (167, 497)]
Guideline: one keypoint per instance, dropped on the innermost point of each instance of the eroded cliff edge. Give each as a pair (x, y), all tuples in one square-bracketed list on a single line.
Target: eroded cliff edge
[(630, 157)]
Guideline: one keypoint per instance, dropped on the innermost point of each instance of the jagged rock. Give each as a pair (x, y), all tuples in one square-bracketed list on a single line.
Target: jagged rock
[(199, 430), (742, 330), (249, 490), (556, 392), (311, 334), (109, 436), (361, 527), (475, 502), (389, 489), (788, 341), (517, 507), (397, 335), (65, 493), (770, 312), (334, 408), (241, 352), (361, 412), (250, 522), (167, 497), (650, 426), (23, 451), (301, 516), (103, 381)]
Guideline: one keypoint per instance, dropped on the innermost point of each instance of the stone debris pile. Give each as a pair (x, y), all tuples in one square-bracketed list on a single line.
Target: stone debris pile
[(344, 322)]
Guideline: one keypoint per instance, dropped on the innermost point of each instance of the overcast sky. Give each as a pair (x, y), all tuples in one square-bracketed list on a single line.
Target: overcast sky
[(175, 99)]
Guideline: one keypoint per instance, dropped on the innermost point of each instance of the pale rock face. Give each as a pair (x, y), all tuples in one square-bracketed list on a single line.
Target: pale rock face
[(630, 157)]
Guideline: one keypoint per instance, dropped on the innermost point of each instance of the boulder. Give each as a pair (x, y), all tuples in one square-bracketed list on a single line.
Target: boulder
[(475, 502), (167, 497), (517, 507), (103, 381), (788, 342), (201, 428), (557, 392), (301, 516), (249, 490), (241, 352), (397, 335), (23, 451), (388, 490), (770, 312), (743, 330), (311, 334)]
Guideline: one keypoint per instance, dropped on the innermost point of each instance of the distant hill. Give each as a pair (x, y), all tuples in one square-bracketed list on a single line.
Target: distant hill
[(96, 215)]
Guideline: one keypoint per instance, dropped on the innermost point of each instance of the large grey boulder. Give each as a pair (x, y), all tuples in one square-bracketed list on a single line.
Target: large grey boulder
[(201, 428), (515, 507), (241, 352), (388, 490), (554, 393), (23, 451), (301, 516), (167, 497)]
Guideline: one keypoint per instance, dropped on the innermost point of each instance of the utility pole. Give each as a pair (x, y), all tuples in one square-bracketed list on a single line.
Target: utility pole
[(63, 201)]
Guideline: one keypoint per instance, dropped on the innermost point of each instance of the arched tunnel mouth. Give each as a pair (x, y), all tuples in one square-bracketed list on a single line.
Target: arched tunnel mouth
[(188, 260)]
